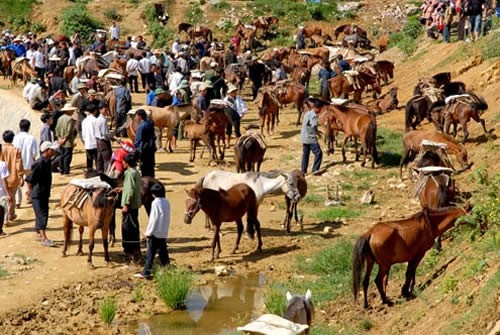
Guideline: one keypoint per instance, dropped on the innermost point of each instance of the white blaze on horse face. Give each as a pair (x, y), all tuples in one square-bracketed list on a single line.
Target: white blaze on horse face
[(308, 295), (289, 297)]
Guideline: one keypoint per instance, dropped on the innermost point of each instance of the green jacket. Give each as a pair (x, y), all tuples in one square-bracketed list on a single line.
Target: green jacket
[(65, 128), (131, 192)]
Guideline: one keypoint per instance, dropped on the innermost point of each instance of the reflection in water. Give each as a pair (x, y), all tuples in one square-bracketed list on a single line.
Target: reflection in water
[(211, 309)]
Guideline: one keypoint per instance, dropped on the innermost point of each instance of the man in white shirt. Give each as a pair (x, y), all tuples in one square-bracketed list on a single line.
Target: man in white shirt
[(28, 89), (38, 62), (114, 31), (103, 140), (176, 47), (75, 82), (145, 69), (26, 143), (132, 69), (89, 138), (174, 80), (4, 173)]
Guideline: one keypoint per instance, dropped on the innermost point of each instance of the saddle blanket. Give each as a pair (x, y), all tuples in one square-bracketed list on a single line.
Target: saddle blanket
[(432, 145), (452, 98), (255, 134), (76, 199), (338, 101), (90, 183), (218, 103), (269, 324)]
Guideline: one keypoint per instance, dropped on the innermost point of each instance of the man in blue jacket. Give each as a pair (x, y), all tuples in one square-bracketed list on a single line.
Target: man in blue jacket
[(145, 143)]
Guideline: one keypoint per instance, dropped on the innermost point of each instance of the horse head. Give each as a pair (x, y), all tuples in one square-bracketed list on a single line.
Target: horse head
[(300, 309), (193, 203), (290, 187)]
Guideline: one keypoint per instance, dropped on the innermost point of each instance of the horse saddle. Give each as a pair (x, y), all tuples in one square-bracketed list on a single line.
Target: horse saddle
[(352, 78), (253, 134), (339, 101), (452, 98)]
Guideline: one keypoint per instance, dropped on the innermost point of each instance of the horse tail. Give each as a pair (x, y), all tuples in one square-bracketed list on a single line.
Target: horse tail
[(481, 104), (371, 140), (361, 251)]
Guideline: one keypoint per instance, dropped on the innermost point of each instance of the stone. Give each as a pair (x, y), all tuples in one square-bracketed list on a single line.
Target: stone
[(348, 6), (45, 302), (368, 197), (327, 230), (221, 271)]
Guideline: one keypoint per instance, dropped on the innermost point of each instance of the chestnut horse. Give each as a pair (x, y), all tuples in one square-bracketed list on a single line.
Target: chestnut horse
[(413, 139), (216, 121), (265, 23), (291, 204), (200, 31), (349, 29), (301, 75), (269, 109), (387, 102), (340, 86), (418, 108), (462, 111), (291, 92), (385, 71), (96, 213), (399, 241), (196, 132), (6, 57), (225, 206), (249, 151), (247, 34), (21, 70)]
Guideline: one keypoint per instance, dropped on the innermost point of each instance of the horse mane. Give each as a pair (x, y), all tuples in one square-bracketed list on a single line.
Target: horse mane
[(271, 173), (100, 200)]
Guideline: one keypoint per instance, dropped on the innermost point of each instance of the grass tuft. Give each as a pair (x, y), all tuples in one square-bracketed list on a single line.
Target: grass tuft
[(274, 299), (173, 286), (138, 294), (107, 310), (333, 213), (389, 145), (3, 273)]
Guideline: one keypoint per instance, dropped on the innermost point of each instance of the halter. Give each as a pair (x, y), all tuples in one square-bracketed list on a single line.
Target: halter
[(190, 214)]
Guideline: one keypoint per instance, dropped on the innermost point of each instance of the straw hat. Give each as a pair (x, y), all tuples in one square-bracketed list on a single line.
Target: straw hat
[(231, 88), (208, 84), (81, 86), (68, 107)]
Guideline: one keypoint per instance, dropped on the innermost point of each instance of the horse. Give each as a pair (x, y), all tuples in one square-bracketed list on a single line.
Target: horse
[(442, 79), (290, 92), (454, 88), (235, 74), (216, 121), (225, 206), (6, 57), (418, 108), (358, 123), (195, 132), (265, 23), (399, 241), (249, 151), (340, 86), (21, 69), (184, 27), (291, 205), (200, 31), (385, 71), (387, 102), (247, 34), (119, 65), (269, 108), (412, 141), (301, 59), (301, 75), (96, 212), (462, 111), (383, 42), (300, 309), (348, 29)]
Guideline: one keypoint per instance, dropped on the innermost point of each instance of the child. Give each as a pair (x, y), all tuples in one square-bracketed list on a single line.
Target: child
[(157, 231), (4, 173)]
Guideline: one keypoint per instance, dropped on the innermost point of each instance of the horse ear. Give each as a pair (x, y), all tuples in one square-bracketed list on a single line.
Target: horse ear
[(289, 296), (308, 295)]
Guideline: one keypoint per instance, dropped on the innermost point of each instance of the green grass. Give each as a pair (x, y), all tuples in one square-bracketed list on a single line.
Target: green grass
[(77, 18), (366, 324), (3, 273), (332, 213), (275, 300), (138, 293), (489, 46), (173, 286), (407, 39), (329, 330), (107, 310), (389, 146), (162, 36), (314, 199), (16, 8), (449, 284)]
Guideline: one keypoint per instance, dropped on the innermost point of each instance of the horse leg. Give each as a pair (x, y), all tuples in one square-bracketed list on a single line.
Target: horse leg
[(80, 250), (259, 235), (239, 228), (483, 123), (343, 148), (216, 241), (192, 150), (380, 282), (112, 228), (366, 280), (465, 130), (104, 231), (288, 215), (407, 289), (68, 228), (91, 246)]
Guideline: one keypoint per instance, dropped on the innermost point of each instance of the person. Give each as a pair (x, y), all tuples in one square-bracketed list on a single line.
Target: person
[(39, 98), (131, 202), (235, 110), (176, 47), (157, 231), (118, 157), (75, 82), (145, 143), (77, 101), (12, 157), (343, 64), (158, 79), (447, 21), (114, 31), (324, 74), (174, 80), (39, 62), (89, 136), (256, 73), (301, 39), (230, 57), (132, 69), (486, 17), (145, 71), (46, 131), (201, 101), (29, 87), (309, 137), (280, 73), (141, 44), (123, 105), (65, 133), (26, 143), (40, 182), (4, 195), (103, 140), (474, 10)]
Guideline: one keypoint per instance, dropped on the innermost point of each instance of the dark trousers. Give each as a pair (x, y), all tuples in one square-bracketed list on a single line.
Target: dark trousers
[(66, 157), (41, 105), (255, 89), (318, 155), (155, 245), (134, 86), (324, 92), (446, 33), (146, 80), (461, 28), (148, 163), (41, 209), (103, 155), (234, 121), (120, 120), (2, 217), (130, 232), (40, 72), (91, 158)]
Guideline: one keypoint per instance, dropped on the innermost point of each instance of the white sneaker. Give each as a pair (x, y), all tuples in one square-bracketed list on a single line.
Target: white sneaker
[(139, 275)]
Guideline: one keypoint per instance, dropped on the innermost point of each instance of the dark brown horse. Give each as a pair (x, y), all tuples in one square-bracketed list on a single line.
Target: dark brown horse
[(300, 309), (225, 206), (385, 71), (96, 213), (301, 75), (454, 88), (400, 241), (418, 108), (349, 29), (6, 57), (461, 111), (291, 205), (249, 151), (291, 92), (269, 109), (184, 27), (442, 79), (216, 121), (340, 87), (412, 141)]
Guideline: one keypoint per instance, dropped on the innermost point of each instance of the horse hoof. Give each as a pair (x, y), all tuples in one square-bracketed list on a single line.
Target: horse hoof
[(79, 253), (109, 264), (64, 254), (91, 266), (389, 303)]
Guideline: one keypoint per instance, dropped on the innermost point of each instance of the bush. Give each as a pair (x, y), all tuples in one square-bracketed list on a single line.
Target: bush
[(38, 27), (295, 12), (78, 19), (406, 40), (173, 286), (161, 35), (193, 14), (112, 14), (107, 310)]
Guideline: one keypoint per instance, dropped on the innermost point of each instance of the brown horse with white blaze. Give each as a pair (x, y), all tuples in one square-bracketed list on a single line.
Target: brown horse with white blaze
[(400, 241), (96, 213)]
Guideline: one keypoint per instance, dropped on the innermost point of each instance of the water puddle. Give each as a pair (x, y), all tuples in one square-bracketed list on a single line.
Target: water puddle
[(214, 308)]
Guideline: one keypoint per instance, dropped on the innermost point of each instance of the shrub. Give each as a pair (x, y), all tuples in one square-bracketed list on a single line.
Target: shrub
[(222, 5), (161, 34), (77, 18), (193, 14), (107, 310), (38, 27), (173, 286), (366, 324), (112, 14), (138, 294), (3, 273), (406, 40)]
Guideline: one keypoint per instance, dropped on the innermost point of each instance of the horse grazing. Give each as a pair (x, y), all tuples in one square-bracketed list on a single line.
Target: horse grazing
[(412, 141), (340, 86), (249, 151), (196, 132), (269, 109), (225, 206), (96, 212), (462, 110), (300, 309), (400, 241), (291, 205), (290, 92)]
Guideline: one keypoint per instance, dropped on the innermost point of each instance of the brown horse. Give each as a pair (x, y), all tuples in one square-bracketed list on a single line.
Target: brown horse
[(291, 92), (340, 86), (311, 28), (216, 121), (235, 74), (357, 123), (6, 57), (21, 70), (301, 75), (196, 132), (225, 206), (249, 151), (462, 111), (300, 59), (387, 102), (383, 42), (349, 29), (265, 23), (385, 71), (269, 109), (413, 139), (96, 212), (248, 36), (400, 241), (200, 31), (442, 79), (291, 205), (418, 108)]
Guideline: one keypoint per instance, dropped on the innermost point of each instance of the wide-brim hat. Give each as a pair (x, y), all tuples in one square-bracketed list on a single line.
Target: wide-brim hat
[(92, 92), (48, 145), (317, 101), (159, 90), (184, 84), (80, 86), (231, 88), (68, 107)]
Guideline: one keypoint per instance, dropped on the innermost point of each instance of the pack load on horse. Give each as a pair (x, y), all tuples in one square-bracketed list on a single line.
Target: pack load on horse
[(225, 206), (399, 241), (21, 69), (421, 105), (353, 81), (87, 202), (249, 150)]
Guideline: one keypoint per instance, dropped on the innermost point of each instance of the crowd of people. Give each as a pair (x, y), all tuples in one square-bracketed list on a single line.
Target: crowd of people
[(472, 18)]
